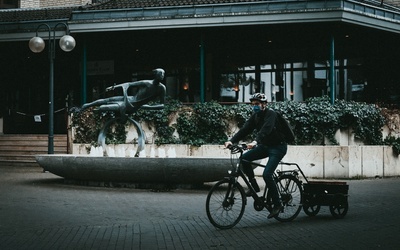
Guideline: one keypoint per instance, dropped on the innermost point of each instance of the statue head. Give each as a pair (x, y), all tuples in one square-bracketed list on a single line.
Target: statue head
[(159, 74)]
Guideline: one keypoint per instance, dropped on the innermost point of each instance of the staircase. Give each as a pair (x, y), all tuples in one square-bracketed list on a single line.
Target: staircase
[(20, 150)]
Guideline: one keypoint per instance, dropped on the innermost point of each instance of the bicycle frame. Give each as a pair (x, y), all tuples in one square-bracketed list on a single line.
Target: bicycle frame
[(226, 201), (238, 172)]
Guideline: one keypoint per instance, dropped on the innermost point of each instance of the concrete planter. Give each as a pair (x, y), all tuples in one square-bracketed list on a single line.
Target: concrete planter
[(351, 161), (152, 150), (345, 161)]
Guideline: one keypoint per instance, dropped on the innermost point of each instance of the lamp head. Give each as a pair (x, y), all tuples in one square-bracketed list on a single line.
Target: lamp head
[(67, 43), (36, 44)]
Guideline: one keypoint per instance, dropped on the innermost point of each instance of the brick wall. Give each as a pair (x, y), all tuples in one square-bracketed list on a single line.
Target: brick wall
[(29, 3), (51, 3), (54, 3)]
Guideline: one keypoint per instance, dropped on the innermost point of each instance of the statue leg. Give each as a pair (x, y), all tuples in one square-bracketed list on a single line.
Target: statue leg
[(111, 107), (101, 139), (95, 103), (106, 102), (141, 136)]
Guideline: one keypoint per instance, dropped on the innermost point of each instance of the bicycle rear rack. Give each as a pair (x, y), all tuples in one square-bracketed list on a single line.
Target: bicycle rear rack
[(293, 171)]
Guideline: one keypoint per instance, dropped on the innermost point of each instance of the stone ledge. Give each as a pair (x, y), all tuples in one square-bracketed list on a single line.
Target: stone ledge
[(354, 161), (188, 170)]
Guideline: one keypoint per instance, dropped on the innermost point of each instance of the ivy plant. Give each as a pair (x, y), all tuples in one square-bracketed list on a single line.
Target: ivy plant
[(317, 119), (314, 121), (159, 120), (88, 123), (205, 123)]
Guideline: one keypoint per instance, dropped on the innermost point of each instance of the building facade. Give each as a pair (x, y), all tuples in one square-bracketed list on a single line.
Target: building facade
[(211, 50)]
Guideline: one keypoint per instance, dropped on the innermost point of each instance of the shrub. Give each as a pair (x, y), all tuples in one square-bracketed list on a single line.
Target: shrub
[(208, 123)]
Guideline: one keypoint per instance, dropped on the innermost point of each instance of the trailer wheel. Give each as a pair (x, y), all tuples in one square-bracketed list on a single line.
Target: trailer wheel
[(311, 210), (339, 207)]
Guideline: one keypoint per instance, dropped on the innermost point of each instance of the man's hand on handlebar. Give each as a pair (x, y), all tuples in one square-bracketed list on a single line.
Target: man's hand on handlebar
[(252, 145), (228, 144)]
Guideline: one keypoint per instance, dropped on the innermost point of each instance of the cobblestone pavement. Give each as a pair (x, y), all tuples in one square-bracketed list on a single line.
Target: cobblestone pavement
[(39, 211)]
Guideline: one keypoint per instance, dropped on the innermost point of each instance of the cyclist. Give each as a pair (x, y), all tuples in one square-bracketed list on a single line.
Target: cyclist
[(268, 143)]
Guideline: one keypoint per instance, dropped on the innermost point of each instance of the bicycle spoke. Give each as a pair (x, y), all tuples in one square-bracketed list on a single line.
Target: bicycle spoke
[(290, 189), (225, 204)]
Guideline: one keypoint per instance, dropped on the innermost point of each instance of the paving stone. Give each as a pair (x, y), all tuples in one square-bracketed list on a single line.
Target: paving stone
[(39, 211)]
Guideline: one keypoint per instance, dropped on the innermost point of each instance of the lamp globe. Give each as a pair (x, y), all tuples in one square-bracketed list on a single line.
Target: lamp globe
[(36, 44), (67, 43)]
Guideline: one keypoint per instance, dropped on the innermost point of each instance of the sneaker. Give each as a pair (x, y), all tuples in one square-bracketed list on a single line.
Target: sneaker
[(275, 211), (254, 184)]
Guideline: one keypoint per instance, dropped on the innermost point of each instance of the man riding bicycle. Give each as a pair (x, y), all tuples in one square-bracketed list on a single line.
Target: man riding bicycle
[(268, 143)]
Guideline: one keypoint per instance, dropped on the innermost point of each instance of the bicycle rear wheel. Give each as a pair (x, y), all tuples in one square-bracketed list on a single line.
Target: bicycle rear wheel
[(225, 204), (291, 195)]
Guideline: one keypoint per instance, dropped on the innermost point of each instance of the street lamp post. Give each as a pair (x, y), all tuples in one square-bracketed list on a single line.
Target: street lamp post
[(36, 44)]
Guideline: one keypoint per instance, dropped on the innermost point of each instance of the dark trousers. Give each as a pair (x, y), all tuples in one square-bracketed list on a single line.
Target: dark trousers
[(275, 155)]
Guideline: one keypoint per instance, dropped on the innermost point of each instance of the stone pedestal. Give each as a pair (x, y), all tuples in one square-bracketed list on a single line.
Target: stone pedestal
[(188, 170)]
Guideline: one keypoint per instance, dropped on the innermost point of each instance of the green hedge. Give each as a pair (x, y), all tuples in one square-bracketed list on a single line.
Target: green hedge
[(313, 120)]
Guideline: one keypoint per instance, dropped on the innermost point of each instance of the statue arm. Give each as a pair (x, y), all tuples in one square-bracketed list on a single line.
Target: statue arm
[(162, 94), (113, 87), (126, 85), (138, 84)]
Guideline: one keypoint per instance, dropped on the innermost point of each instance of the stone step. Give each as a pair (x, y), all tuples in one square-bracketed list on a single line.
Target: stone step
[(21, 149)]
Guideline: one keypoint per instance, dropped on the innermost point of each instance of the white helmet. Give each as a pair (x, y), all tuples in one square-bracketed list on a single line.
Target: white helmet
[(258, 97)]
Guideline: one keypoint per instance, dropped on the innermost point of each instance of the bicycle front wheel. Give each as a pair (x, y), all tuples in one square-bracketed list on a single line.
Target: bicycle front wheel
[(225, 204), (291, 195)]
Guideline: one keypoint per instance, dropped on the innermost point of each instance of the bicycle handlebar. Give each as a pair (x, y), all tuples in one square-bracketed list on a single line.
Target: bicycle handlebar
[(237, 148)]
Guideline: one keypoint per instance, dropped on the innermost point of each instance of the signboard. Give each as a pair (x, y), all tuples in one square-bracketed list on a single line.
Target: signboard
[(357, 87), (37, 118)]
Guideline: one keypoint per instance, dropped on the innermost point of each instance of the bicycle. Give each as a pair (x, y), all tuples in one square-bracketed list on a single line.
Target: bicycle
[(226, 200)]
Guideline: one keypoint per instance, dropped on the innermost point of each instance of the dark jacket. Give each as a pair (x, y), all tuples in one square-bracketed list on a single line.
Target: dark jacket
[(264, 123)]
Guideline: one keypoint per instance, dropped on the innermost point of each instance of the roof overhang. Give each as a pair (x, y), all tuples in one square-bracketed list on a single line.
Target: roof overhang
[(220, 15), (238, 20), (253, 13)]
